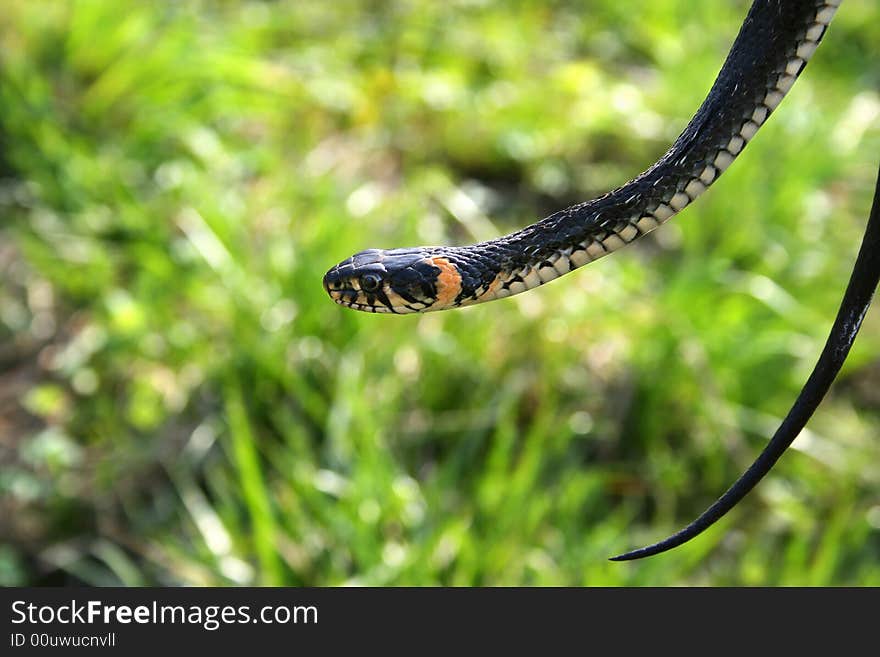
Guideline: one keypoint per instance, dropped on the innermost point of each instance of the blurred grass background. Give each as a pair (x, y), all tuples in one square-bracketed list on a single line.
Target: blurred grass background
[(181, 404)]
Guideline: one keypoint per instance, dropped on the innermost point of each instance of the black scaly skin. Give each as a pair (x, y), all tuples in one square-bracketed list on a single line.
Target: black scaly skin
[(774, 43), (767, 42)]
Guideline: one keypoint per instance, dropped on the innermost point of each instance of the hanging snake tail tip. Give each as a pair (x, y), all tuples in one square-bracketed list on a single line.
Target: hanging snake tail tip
[(647, 551), (633, 555)]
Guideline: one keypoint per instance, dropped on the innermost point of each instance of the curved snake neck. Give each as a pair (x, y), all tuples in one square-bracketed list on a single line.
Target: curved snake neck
[(775, 42)]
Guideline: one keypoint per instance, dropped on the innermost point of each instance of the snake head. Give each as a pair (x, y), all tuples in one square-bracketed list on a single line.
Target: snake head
[(394, 281)]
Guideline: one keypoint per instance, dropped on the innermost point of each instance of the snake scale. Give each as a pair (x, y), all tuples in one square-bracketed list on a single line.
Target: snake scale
[(774, 44)]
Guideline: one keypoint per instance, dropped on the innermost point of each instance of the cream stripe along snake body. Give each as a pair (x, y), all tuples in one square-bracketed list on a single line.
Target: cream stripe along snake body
[(775, 42)]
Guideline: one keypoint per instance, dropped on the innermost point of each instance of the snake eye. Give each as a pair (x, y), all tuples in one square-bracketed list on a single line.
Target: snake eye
[(370, 282)]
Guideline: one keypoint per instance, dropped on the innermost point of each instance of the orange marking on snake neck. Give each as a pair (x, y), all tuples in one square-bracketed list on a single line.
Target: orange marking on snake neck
[(448, 282)]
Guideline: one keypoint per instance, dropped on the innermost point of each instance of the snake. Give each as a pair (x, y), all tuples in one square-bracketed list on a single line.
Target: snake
[(774, 44)]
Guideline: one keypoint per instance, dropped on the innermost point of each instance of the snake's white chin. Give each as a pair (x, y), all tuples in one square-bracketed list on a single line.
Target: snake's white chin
[(397, 310)]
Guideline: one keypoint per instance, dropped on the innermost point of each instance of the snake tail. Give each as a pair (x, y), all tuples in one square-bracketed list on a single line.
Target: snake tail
[(856, 300)]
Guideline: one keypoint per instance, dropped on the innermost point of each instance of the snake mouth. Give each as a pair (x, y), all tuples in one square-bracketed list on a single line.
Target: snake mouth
[(368, 308)]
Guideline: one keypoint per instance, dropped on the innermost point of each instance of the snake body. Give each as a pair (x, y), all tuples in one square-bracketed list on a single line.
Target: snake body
[(776, 40)]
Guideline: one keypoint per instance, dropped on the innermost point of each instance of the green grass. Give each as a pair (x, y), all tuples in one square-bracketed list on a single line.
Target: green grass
[(182, 404)]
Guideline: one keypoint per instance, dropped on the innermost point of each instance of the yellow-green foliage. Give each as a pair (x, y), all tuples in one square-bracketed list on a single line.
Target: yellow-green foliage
[(183, 403)]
